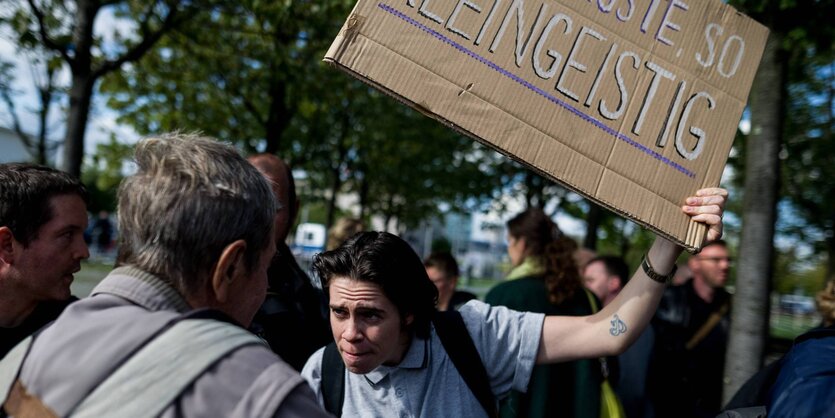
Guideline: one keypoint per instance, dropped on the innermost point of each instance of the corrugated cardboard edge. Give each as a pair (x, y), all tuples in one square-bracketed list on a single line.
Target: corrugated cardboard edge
[(696, 231)]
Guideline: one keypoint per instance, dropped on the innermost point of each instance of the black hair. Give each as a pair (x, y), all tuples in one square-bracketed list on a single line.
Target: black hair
[(25, 193), (614, 265), (443, 261), (388, 261)]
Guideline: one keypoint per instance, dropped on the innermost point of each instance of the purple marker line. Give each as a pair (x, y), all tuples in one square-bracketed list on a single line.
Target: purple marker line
[(537, 90)]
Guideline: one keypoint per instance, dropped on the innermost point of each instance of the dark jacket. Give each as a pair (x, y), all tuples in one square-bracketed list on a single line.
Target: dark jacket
[(805, 386), (569, 389), (294, 316), (686, 382), (43, 314)]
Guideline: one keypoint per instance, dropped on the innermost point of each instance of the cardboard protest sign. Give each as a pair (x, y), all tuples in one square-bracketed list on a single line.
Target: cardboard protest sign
[(632, 103)]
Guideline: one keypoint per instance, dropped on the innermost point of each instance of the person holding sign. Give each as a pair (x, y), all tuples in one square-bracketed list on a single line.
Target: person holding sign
[(395, 356)]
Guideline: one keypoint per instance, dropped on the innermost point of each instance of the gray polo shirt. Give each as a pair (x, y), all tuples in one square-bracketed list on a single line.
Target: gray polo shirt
[(93, 336), (426, 383)]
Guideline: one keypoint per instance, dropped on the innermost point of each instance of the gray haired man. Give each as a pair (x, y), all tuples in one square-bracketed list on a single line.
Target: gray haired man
[(163, 334)]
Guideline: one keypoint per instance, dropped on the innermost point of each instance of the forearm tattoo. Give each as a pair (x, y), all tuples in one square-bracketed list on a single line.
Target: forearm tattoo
[(618, 326)]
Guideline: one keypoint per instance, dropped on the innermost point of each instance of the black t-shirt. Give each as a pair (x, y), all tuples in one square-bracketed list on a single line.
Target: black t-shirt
[(43, 314)]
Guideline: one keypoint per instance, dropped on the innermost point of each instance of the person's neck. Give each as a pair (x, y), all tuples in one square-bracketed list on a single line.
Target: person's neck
[(403, 344), (703, 290), (14, 309), (443, 302)]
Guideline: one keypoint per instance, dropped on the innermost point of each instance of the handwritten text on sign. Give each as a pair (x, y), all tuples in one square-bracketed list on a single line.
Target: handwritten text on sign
[(541, 32)]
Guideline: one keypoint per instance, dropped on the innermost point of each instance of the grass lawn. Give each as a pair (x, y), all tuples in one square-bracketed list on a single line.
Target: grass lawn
[(90, 275), (787, 326)]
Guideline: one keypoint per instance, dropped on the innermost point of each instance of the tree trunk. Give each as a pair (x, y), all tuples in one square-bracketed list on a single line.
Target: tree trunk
[(81, 94), (593, 219), (81, 91), (278, 117), (749, 320), (335, 186)]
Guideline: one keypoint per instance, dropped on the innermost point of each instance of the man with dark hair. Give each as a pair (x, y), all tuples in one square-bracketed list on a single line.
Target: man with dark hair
[(164, 334), (393, 356), (691, 334), (43, 215), (442, 269), (292, 306), (605, 276)]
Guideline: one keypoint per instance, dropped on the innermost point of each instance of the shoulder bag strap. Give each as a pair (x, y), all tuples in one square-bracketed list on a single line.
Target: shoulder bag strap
[(158, 373), (333, 380), (462, 351), (10, 369), (708, 326)]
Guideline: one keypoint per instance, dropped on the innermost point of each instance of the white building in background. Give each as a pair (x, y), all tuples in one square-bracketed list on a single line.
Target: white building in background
[(12, 148)]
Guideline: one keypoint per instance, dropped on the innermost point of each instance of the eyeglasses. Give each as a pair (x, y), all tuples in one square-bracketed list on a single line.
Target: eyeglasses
[(729, 260)]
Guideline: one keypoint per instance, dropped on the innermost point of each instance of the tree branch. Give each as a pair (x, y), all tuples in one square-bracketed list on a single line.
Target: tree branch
[(45, 38), (7, 98), (174, 18)]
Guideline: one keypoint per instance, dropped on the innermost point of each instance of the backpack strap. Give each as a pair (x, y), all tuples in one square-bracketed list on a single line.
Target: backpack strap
[(10, 369), (176, 358), (459, 346), (333, 380)]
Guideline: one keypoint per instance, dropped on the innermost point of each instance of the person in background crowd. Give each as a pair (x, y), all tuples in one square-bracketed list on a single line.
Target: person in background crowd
[(683, 275), (546, 279), (343, 229), (391, 360), (582, 256), (825, 300), (805, 386), (691, 333), (43, 215), (606, 276), (293, 306), (442, 269), (104, 230), (164, 334)]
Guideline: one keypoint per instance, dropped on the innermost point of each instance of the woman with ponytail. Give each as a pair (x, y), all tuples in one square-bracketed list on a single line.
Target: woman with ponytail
[(545, 278)]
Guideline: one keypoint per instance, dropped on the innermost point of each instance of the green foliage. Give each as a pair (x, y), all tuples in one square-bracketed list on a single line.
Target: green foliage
[(104, 173), (441, 244), (808, 147), (251, 73), (794, 273)]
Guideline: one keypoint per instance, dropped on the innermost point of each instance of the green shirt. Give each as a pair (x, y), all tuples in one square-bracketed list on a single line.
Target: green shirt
[(568, 389)]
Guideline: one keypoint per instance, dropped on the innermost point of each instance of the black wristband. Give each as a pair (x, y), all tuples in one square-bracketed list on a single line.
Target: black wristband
[(654, 275)]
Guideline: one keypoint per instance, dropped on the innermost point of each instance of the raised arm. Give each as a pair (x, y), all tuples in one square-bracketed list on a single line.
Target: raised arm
[(615, 327)]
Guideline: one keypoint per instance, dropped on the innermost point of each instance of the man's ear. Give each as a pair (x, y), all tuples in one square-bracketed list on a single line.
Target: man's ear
[(614, 284), (7, 245), (410, 318), (230, 267)]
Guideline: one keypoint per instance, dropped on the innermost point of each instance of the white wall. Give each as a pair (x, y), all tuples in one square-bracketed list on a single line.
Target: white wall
[(11, 149)]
